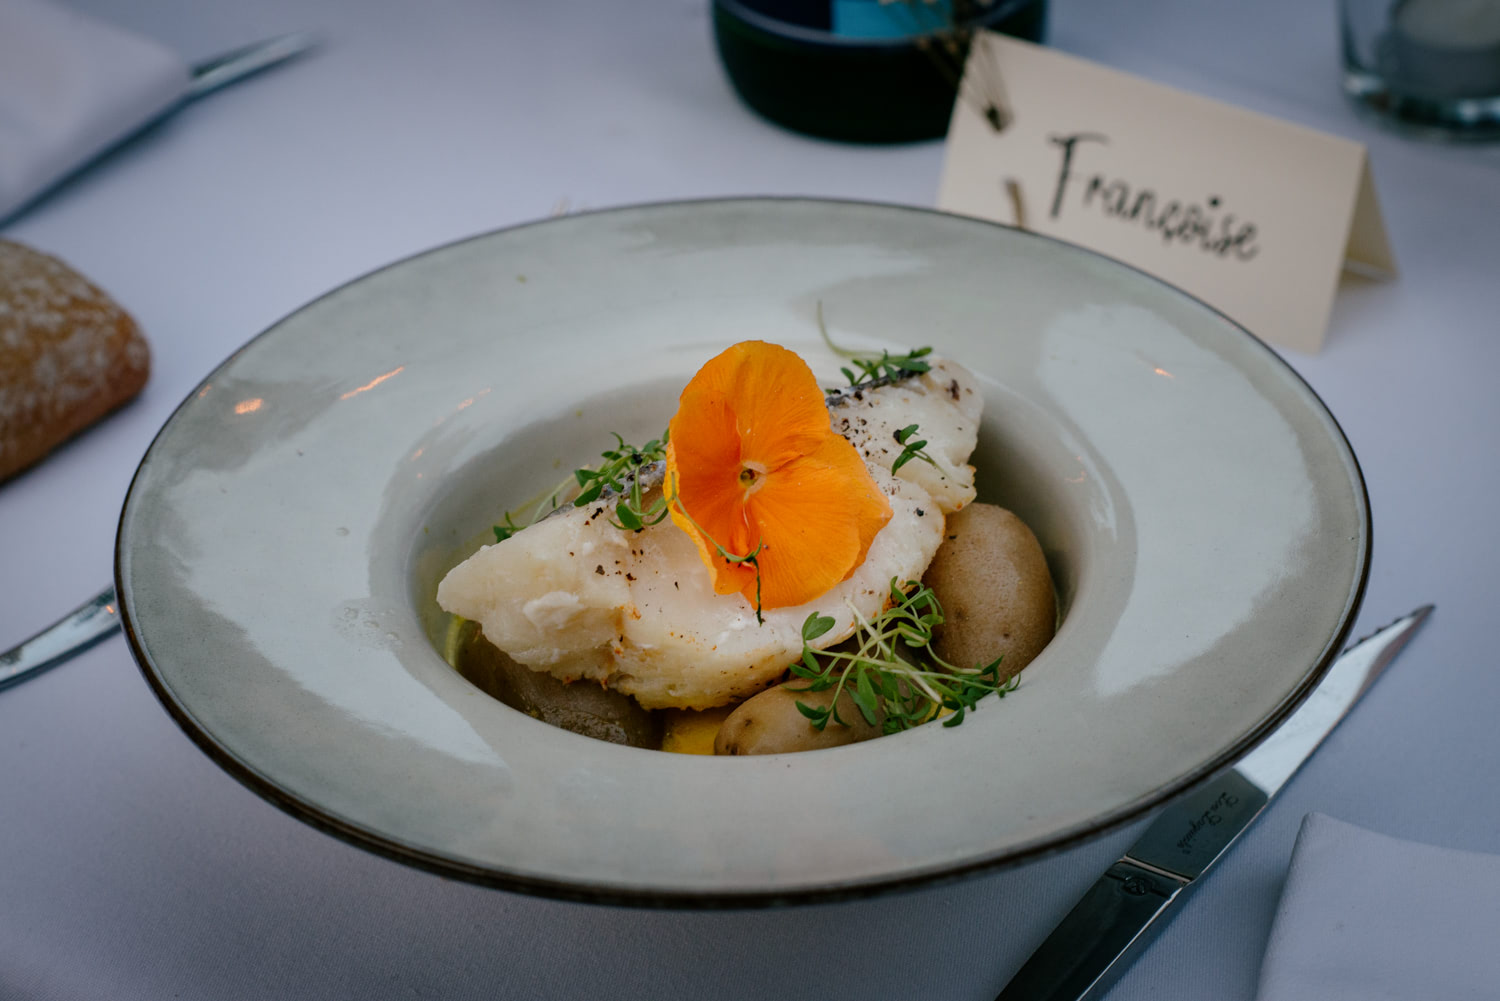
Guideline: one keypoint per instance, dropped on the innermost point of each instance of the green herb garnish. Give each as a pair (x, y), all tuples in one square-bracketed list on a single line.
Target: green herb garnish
[(620, 473), (890, 670), (873, 368), (912, 449), (887, 368), (544, 504), (505, 531), (623, 462)]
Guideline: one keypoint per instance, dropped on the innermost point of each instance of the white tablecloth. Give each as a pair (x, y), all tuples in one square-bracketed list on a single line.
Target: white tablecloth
[(132, 868)]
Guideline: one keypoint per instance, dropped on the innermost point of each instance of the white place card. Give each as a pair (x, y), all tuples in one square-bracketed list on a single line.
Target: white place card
[(1253, 215)]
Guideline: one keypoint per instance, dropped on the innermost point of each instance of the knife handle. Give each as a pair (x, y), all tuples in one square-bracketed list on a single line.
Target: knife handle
[(231, 67), (1088, 949), (86, 625)]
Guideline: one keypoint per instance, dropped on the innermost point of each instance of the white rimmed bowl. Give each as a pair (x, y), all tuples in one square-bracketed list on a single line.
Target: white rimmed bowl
[(1204, 517)]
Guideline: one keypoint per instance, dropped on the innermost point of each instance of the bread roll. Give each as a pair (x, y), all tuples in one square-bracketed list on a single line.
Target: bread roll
[(68, 355)]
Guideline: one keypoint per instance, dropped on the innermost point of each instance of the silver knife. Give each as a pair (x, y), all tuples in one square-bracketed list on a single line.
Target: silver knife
[(86, 625), (99, 617), (1133, 899), (230, 67), (204, 78)]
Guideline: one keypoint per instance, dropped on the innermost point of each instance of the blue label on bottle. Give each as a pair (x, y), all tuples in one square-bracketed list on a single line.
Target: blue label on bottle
[(890, 18)]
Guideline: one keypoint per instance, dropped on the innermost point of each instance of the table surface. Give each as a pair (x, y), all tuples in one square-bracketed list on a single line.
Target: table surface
[(132, 867)]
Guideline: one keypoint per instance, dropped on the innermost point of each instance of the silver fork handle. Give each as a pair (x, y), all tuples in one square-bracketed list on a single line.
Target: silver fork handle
[(96, 619)]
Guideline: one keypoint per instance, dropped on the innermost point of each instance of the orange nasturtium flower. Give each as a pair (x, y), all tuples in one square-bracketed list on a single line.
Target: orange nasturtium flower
[(755, 462)]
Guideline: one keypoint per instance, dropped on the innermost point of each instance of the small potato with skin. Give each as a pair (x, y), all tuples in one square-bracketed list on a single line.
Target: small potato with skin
[(770, 723), (992, 580), (582, 707)]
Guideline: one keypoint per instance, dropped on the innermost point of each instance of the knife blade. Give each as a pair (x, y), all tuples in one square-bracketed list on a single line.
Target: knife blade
[(1133, 899)]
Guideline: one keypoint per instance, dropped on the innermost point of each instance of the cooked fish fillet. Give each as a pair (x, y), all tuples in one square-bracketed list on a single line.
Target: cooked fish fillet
[(576, 597)]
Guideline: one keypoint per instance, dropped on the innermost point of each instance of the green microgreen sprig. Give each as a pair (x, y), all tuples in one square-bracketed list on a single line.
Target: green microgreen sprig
[(884, 367), (887, 367), (621, 474), (889, 668), (912, 449), (543, 505)]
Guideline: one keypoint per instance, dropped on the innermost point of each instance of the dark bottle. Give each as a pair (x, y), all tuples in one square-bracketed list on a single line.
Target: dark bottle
[(873, 71)]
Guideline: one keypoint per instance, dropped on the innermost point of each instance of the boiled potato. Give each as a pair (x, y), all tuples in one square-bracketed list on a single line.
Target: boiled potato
[(582, 707), (769, 723), (992, 580)]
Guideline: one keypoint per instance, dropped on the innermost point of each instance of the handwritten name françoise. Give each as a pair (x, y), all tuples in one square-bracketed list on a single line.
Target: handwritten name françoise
[(1174, 220)]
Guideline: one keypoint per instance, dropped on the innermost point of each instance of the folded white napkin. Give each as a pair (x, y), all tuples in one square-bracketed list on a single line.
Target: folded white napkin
[(71, 86), (1366, 917)]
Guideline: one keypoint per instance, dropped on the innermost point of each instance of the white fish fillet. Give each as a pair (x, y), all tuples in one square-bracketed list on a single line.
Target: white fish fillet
[(576, 597)]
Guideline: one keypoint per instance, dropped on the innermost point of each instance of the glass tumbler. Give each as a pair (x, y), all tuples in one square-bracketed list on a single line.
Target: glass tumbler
[(1431, 66)]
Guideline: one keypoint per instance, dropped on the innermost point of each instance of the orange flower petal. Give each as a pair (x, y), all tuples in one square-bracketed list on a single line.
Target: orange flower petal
[(703, 462), (720, 508), (817, 517), (780, 409), (754, 461)]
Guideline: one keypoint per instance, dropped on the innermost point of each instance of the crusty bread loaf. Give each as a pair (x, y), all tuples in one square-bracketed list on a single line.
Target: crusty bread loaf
[(68, 355)]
